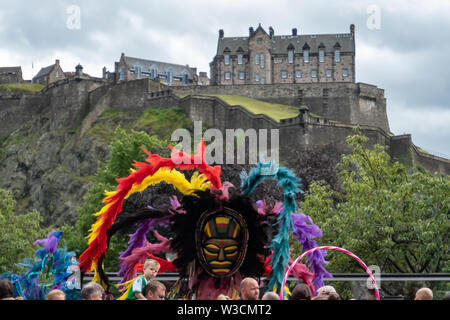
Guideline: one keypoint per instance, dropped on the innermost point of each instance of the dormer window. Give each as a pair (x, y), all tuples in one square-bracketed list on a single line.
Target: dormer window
[(290, 53), (169, 77), (337, 52), (137, 72), (306, 56), (322, 55), (337, 55)]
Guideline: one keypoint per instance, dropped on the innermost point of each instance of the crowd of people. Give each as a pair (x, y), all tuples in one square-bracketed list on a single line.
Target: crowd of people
[(145, 287)]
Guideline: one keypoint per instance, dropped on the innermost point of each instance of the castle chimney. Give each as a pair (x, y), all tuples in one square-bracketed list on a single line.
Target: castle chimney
[(271, 32), (220, 34), (78, 71), (57, 62), (251, 31), (352, 30), (294, 32)]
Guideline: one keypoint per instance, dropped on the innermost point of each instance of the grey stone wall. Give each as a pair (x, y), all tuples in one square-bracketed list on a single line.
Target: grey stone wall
[(344, 102)]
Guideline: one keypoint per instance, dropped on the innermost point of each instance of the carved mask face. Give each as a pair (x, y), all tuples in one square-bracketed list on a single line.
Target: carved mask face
[(221, 242)]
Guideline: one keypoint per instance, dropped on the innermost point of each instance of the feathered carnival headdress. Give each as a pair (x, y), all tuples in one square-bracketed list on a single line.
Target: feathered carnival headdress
[(233, 236)]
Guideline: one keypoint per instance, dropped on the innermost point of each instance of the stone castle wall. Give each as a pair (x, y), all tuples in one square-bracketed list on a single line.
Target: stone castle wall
[(71, 102), (344, 102)]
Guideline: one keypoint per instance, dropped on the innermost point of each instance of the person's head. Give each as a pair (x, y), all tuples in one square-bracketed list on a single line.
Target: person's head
[(424, 294), (325, 291), (249, 289), (92, 291), (223, 297), (270, 296), (370, 294), (6, 289), (155, 290), (56, 295), (334, 296), (301, 292), (151, 268)]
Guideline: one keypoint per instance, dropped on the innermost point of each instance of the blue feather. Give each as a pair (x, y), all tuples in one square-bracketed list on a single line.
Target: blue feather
[(290, 185)]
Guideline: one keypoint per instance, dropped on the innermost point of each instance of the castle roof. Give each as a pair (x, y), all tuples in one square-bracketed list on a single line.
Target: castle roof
[(44, 71), (281, 43), (162, 67)]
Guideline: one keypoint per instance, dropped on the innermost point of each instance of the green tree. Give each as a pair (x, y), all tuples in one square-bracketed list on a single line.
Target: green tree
[(389, 215), (126, 147), (17, 233)]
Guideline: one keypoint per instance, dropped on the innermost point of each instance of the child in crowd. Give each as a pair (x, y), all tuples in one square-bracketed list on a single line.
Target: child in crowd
[(151, 268)]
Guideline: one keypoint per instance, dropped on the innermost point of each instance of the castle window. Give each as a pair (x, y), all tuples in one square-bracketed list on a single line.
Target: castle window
[(284, 74), (227, 59), (263, 60), (227, 75), (321, 55), (298, 73), (291, 56), (242, 75), (306, 56), (153, 73), (337, 55), (169, 77), (345, 72), (57, 74), (257, 77), (121, 74), (259, 40), (314, 73), (329, 73), (263, 80), (240, 58), (257, 59), (137, 72)]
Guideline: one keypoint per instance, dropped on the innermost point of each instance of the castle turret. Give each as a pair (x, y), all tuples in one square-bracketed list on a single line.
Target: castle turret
[(78, 71)]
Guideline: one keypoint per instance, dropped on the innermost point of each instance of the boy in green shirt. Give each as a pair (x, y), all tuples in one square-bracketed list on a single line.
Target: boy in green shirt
[(151, 268)]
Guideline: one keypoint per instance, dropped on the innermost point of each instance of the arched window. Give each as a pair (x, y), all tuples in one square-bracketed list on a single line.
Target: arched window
[(169, 77), (321, 53), (290, 51), (153, 72), (306, 53)]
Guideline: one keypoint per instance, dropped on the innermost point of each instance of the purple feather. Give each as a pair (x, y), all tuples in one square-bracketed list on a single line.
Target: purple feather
[(139, 238), (305, 230)]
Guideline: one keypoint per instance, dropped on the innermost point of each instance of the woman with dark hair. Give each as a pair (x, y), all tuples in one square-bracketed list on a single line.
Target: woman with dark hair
[(301, 292)]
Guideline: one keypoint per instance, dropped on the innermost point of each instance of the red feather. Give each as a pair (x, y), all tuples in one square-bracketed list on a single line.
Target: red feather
[(98, 245)]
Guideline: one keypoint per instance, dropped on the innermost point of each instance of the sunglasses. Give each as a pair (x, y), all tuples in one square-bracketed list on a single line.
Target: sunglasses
[(162, 297)]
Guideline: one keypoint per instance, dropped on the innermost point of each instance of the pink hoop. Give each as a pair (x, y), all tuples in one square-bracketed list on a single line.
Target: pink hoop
[(330, 248)]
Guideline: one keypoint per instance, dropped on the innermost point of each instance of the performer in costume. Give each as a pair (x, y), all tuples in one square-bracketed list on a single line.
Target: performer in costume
[(53, 269), (219, 235)]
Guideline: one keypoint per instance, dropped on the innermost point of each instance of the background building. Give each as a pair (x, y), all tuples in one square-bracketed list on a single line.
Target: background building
[(49, 74), (11, 75), (170, 74)]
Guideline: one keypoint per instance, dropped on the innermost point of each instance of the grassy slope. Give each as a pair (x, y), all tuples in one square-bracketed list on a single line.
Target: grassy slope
[(272, 110), (21, 87)]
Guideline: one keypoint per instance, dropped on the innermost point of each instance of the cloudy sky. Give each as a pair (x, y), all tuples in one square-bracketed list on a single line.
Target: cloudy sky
[(401, 46)]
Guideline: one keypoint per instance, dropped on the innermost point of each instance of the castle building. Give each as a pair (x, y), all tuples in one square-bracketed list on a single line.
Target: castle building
[(11, 75), (49, 74), (170, 74), (266, 58), (203, 79)]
